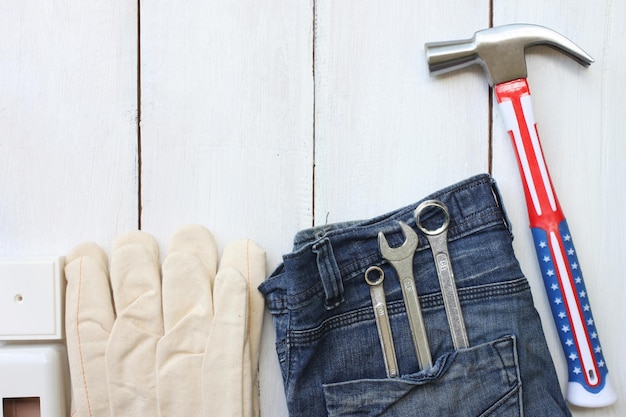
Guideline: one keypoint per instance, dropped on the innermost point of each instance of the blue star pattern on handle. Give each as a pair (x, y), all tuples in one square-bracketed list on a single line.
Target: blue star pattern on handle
[(570, 307)]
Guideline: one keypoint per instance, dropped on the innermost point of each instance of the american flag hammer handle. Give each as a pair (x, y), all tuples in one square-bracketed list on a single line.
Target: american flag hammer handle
[(588, 384)]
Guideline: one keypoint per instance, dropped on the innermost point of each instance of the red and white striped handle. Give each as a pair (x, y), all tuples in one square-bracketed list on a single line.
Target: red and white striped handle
[(588, 384)]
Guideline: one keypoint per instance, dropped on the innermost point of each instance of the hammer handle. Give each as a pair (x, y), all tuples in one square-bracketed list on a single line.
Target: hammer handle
[(588, 385)]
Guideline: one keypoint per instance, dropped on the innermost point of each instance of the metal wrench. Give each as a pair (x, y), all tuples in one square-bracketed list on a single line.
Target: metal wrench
[(401, 259), (438, 240), (379, 303)]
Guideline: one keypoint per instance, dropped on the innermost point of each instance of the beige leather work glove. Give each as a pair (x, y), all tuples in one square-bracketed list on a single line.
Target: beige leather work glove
[(178, 341)]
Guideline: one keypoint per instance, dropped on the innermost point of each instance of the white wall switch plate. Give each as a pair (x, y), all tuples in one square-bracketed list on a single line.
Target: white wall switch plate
[(34, 380), (32, 292)]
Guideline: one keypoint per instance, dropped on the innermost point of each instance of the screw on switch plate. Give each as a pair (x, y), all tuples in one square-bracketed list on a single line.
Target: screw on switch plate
[(31, 298)]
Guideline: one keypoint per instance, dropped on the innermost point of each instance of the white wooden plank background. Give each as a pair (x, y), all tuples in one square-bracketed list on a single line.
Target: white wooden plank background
[(68, 108), (262, 118)]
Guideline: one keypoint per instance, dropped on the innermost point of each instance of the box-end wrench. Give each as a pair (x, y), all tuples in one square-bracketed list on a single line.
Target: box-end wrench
[(401, 258), (438, 240), (379, 303)]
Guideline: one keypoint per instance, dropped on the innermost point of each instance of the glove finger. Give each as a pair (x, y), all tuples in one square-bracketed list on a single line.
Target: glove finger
[(248, 258), (187, 314), (222, 370), (181, 349), (188, 273), (197, 240), (89, 317), (131, 351), (135, 274)]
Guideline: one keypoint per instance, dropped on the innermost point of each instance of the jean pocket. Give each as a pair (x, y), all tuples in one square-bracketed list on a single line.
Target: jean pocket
[(479, 381)]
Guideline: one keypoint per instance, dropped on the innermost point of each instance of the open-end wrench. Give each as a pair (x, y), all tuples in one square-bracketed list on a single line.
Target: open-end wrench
[(501, 52), (401, 258), (438, 240), (379, 303)]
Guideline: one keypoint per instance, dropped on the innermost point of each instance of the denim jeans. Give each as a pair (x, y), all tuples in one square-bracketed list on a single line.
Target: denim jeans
[(327, 340)]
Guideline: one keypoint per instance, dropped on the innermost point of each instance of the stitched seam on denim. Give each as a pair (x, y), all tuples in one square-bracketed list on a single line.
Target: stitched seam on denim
[(494, 290), (356, 268), (276, 306), (506, 397), (304, 336), (514, 388), (476, 225), (288, 352), (306, 297), (468, 294), (352, 317), (509, 367)]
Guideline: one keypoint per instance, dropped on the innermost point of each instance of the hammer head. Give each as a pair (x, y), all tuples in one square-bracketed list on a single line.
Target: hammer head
[(500, 51)]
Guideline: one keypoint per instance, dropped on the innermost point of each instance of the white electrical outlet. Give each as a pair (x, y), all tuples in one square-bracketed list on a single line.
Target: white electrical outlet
[(31, 298)]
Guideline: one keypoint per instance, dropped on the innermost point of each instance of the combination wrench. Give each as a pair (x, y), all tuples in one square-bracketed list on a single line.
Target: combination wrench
[(379, 303), (438, 240), (401, 258)]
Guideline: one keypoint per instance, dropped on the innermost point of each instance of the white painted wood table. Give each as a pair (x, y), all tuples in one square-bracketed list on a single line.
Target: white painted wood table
[(258, 119)]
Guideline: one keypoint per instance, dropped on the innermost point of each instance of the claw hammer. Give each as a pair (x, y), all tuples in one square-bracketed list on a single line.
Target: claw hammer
[(501, 52)]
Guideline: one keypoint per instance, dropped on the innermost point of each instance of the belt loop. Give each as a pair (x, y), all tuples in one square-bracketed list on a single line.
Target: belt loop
[(329, 273)]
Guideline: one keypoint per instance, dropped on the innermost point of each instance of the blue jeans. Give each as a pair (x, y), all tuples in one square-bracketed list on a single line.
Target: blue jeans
[(327, 340)]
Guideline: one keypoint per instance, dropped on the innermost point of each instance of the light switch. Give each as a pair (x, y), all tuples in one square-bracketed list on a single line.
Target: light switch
[(34, 380), (31, 298)]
